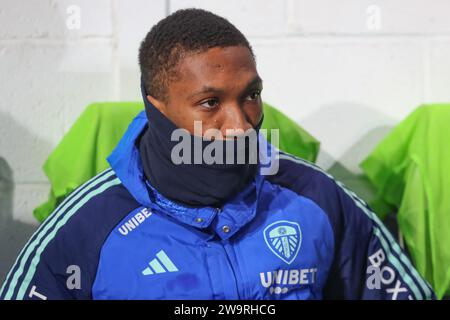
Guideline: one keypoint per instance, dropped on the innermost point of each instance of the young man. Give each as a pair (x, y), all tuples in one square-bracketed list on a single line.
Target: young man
[(152, 227)]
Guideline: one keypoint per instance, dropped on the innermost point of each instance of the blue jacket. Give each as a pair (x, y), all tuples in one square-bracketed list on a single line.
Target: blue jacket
[(298, 234)]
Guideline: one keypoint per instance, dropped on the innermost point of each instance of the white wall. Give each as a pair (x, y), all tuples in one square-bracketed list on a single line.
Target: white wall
[(347, 71)]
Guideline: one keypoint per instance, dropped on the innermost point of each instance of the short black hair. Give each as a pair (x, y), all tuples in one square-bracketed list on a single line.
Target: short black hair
[(184, 31)]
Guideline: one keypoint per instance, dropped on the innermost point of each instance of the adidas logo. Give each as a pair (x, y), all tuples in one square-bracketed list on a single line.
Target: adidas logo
[(156, 265)]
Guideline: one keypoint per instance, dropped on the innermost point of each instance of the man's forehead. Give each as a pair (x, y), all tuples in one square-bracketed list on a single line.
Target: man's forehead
[(217, 67)]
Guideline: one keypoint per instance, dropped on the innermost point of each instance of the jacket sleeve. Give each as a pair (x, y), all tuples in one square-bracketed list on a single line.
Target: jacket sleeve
[(48, 268), (60, 259), (368, 262)]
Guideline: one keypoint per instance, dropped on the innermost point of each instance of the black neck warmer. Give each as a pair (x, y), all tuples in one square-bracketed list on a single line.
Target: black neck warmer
[(191, 184)]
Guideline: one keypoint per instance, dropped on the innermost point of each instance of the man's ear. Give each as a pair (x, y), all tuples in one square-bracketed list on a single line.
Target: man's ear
[(160, 105)]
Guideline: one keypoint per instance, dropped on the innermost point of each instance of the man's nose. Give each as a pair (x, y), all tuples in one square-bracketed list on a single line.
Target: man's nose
[(235, 119)]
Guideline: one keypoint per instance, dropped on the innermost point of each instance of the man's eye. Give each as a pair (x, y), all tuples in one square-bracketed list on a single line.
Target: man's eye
[(210, 103), (254, 95)]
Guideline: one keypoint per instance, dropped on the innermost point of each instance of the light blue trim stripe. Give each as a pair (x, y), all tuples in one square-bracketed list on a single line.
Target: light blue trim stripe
[(385, 233), (47, 225), (32, 269), (88, 184), (166, 261), (390, 257)]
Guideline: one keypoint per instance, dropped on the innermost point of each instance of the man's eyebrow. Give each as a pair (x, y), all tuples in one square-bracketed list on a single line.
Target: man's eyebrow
[(207, 89), (254, 81)]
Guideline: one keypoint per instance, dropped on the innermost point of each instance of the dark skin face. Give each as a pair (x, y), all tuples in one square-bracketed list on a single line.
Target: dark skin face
[(219, 87)]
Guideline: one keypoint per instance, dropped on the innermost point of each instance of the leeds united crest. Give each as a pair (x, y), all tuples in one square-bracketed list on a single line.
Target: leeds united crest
[(284, 239)]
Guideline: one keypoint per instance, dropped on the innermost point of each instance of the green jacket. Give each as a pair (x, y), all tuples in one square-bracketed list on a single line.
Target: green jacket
[(410, 169)]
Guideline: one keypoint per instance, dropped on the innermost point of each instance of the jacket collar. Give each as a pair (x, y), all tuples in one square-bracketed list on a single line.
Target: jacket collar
[(226, 221)]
